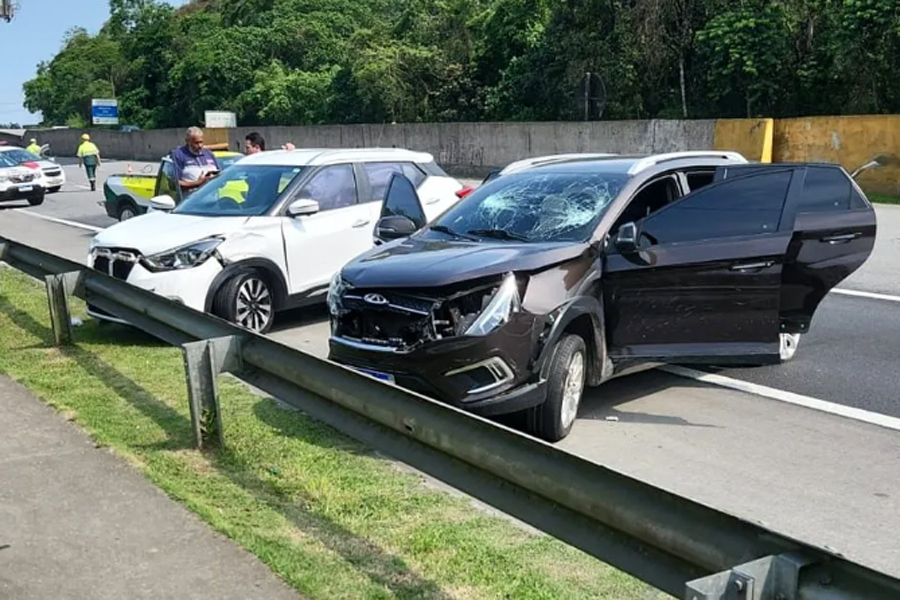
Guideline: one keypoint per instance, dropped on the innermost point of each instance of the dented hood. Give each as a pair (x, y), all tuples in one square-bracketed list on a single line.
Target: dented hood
[(422, 262), (156, 231)]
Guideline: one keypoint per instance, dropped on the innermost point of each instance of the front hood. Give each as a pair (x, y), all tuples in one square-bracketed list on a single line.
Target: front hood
[(155, 232), (419, 262)]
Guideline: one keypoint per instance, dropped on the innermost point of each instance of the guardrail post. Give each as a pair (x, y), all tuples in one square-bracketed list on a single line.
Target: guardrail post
[(203, 361), (58, 289), (768, 578)]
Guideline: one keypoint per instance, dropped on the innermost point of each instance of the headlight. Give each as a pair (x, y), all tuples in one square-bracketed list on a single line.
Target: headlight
[(335, 289), (183, 257), (504, 303)]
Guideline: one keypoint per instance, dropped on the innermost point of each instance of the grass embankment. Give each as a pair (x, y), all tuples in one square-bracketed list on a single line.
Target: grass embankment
[(325, 514), (883, 199)]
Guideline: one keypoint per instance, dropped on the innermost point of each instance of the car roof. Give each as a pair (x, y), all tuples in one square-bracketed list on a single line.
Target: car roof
[(634, 164), (323, 156), (535, 161)]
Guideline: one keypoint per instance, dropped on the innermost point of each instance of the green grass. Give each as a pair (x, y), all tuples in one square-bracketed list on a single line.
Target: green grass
[(883, 199), (318, 508)]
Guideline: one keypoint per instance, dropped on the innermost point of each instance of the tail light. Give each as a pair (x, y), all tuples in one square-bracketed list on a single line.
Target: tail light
[(464, 192)]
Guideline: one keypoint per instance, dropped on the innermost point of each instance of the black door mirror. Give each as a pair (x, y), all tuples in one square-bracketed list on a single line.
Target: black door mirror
[(394, 227), (626, 238)]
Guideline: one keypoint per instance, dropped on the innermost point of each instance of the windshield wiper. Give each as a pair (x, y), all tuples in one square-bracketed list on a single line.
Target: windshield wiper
[(501, 234), (447, 230)]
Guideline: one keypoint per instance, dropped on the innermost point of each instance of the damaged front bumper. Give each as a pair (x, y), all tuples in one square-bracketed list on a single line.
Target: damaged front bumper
[(472, 346)]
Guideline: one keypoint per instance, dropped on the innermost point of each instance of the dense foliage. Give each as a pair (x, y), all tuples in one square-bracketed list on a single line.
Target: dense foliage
[(345, 61)]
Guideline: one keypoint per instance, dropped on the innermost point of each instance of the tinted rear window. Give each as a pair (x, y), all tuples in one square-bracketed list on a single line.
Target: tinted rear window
[(825, 189)]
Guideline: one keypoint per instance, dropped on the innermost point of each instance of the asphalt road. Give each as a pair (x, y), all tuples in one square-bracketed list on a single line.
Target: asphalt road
[(827, 479)]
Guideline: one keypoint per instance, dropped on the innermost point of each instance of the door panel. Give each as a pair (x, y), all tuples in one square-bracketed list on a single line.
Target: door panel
[(704, 285), (318, 245), (834, 234)]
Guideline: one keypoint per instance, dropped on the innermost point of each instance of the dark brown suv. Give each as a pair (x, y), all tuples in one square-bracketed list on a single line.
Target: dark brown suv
[(564, 275)]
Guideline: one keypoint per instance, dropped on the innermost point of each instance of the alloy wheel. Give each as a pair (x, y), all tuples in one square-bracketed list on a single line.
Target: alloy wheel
[(788, 343), (254, 304), (572, 389)]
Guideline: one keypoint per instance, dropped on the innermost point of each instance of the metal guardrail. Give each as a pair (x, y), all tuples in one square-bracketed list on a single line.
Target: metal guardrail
[(675, 544)]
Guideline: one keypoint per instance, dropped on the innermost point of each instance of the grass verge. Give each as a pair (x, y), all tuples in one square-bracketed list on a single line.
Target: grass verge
[(318, 508), (883, 199)]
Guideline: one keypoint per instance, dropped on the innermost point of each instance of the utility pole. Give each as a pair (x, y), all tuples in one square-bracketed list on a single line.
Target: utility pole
[(7, 10)]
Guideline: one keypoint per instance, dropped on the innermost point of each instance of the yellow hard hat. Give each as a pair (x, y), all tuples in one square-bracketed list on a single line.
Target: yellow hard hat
[(85, 136)]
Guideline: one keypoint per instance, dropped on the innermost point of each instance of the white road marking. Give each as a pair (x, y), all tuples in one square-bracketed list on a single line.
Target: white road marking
[(84, 187), (849, 412), (871, 295), (60, 221)]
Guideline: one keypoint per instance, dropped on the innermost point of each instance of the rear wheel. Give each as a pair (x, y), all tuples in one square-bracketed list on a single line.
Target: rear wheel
[(553, 419), (247, 300)]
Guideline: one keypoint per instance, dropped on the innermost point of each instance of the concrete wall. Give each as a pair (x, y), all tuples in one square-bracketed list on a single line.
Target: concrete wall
[(472, 147), (751, 137), (851, 141)]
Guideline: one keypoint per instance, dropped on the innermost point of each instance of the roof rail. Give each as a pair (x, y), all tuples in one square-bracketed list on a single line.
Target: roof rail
[(656, 159)]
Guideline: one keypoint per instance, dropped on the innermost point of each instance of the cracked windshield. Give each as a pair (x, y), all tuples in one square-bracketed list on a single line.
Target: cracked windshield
[(546, 207), (248, 190)]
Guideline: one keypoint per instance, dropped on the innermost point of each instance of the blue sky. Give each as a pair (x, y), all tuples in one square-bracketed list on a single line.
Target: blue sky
[(35, 34)]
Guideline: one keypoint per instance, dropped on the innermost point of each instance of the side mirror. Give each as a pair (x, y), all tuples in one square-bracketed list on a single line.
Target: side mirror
[(303, 207), (164, 202), (394, 227), (626, 238)]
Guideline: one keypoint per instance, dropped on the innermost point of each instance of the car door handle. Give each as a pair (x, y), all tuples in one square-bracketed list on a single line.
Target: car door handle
[(757, 266), (360, 223), (840, 239)]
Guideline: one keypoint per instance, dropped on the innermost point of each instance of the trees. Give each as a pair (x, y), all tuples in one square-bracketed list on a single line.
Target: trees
[(320, 61)]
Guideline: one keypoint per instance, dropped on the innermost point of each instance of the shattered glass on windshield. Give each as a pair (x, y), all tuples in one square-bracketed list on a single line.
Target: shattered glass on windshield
[(537, 206)]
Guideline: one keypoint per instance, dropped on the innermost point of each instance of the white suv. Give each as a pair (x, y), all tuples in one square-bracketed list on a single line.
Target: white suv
[(268, 233)]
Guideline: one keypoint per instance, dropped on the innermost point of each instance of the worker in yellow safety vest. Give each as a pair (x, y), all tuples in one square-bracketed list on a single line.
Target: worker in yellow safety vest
[(34, 148), (89, 156)]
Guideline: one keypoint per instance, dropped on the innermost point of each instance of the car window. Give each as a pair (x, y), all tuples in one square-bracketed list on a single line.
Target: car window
[(402, 200), (652, 197), (735, 207), (825, 189), (332, 187), (167, 184), (379, 174), (699, 179), (240, 190), (537, 206)]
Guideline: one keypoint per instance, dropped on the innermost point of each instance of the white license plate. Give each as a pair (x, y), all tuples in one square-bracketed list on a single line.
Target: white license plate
[(377, 375), (26, 188)]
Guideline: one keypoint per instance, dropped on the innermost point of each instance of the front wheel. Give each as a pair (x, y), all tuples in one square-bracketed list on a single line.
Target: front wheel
[(247, 300), (36, 200), (788, 343), (553, 419), (127, 211)]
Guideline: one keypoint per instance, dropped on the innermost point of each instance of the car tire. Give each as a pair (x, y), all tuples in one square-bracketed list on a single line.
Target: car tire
[(36, 200), (787, 345), (552, 420), (53, 190), (253, 290), (127, 210)]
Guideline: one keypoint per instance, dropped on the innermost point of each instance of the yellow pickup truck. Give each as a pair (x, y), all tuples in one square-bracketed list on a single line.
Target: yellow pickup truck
[(126, 196)]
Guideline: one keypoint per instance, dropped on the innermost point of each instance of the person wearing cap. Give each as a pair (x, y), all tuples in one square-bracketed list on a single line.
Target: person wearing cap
[(89, 156), (34, 148)]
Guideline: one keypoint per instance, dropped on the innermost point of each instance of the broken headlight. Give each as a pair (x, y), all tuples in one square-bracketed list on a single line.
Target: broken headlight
[(335, 289), (183, 257), (497, 313)]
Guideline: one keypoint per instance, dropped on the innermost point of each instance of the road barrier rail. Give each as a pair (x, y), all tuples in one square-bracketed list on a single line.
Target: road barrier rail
[(673, 543)]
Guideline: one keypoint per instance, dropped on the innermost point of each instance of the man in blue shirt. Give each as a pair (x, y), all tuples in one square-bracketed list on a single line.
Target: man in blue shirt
[(194, 164)]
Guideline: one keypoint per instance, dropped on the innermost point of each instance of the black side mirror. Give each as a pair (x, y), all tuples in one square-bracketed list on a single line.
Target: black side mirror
[(626, 238), (394, 227)]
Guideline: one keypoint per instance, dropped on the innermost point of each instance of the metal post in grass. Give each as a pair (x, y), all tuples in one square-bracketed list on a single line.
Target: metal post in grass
[(203, 361), (58, 300)]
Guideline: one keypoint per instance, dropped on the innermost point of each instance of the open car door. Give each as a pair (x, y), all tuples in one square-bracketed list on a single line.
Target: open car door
[(401, 212), (699, 280)]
